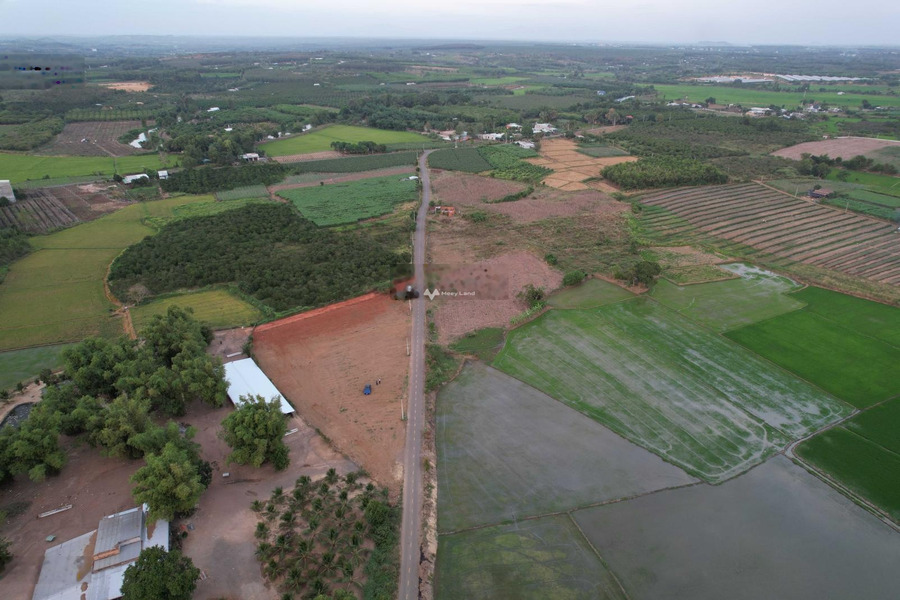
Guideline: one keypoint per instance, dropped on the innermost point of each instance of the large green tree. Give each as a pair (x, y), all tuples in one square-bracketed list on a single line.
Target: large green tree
[(160, 575), (169, 482), (255, 432), (34, 448), (118, 423)]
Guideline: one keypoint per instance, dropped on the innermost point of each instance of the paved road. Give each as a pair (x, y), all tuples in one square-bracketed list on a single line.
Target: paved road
[(412, 456)]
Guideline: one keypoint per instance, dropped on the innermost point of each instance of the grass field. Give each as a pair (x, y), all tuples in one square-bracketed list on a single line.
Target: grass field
[(340, 203), (55, 294), (242, 193), (216, 308), (722, 305), (592, 293), (748, 96), (844, 345), (500, 454), (320, 139), (865, 467), (483, 343), (532, 560), (775, 532), (356, 164), (667, 384), (24, 365), (20, 167), (601, 151), (875, 182)]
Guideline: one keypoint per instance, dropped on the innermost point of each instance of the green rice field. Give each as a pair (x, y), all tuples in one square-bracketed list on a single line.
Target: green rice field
[(842, 344), (320, 139), (667, 384), (531, 560), (722, 305), (349, 202), (23, 365), (217, 308), (21, 167), (356, 164), (591, 293), (55, 294), (486, 474)]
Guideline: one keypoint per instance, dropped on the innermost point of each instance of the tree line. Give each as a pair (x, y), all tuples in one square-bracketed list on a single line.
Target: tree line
[(662, 171), (208, 179)]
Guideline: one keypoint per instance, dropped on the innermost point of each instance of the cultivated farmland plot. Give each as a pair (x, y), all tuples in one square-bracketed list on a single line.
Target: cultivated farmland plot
[(487, 475), (775, 532), (539, 559), (780, 225), (755, 296), (668, 385)]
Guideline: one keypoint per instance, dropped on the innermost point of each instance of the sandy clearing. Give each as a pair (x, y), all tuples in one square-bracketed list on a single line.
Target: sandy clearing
[(464, 189), (843, 147), (322, 359), (128, 86)]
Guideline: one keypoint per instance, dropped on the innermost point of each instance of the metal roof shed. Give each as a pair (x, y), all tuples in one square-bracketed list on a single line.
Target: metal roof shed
[(245, 378)]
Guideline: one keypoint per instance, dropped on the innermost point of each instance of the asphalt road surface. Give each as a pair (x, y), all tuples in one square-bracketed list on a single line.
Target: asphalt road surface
[(412, 456)]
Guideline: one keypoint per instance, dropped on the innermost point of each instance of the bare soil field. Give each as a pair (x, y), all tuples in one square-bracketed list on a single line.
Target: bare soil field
[(456, 316), (128, 86), (605, 129), (92, 138), (222, 543), (322, 359), (308, 157), (843, 147), (455, 188), (545, 204), (571, 167)]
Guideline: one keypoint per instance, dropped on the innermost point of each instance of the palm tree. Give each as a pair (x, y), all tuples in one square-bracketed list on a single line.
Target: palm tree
[(277, 495), (331, 476), (288, 519), (262, 530), (257, 506), (282, 544), (263, 551), (295, 579), (350, 478)]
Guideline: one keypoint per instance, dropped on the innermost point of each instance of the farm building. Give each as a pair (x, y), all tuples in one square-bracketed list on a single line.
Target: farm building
[(250, 157), (493, 137), (163, 174), (543, 128), (820, 193), (92, 566), (527, 145), (6, 190), (245, 378), (132, 178), (447, 211)]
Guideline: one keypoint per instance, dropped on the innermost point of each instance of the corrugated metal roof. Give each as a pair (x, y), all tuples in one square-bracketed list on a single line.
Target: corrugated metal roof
[(245, 378), (62, 565), (6, 190), (107, 584)]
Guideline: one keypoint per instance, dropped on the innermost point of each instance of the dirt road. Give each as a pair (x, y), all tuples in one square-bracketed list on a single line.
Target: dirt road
[(412, 457)]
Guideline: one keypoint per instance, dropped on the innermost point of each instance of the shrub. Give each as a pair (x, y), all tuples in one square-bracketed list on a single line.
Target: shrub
[(574, 277)]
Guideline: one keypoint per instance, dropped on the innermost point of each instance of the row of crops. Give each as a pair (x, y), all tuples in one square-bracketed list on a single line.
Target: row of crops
[(753, 216), (114, 114)]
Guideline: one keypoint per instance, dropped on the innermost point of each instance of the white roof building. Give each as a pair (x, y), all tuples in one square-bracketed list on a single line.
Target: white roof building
[(245, 378), (543, 128), (251, 156), (6, 190), (527, 145), (133, 178), (163, 174), (491, 136), (212, 109), (92, 566)]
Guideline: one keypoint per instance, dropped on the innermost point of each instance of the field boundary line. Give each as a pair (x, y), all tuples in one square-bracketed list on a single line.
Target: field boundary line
[(844, 490), (566, 511), (599, 557)]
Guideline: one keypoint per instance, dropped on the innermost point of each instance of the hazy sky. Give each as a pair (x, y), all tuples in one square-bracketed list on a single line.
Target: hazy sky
[(827, 22)]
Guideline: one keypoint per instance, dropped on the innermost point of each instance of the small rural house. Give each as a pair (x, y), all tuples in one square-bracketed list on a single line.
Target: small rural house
[(163, 174), (6, 190), (250, 157), (820, 193), (245, 378), (447, 211), (92, 566), (543, 128), (526, 144), (492, 137)]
